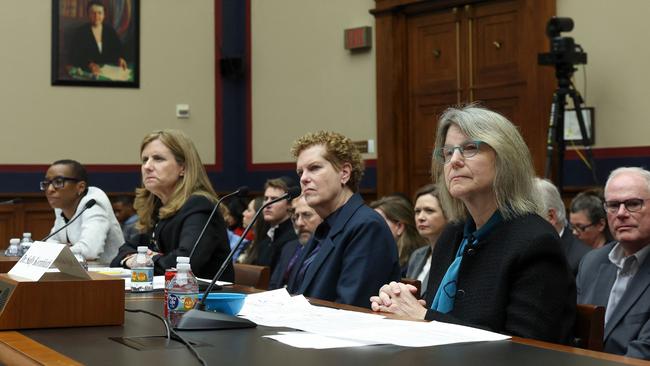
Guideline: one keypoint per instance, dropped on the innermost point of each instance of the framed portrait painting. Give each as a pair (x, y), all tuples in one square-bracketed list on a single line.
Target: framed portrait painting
[(96, 43)]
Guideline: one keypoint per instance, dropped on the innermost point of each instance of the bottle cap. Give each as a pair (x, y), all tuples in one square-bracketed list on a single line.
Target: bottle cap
[(184, 267), (182, 259), (27, 235), (142, 249), (14, 241)]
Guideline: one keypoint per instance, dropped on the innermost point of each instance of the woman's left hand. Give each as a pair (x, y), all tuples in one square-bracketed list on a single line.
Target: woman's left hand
[(397, 298)]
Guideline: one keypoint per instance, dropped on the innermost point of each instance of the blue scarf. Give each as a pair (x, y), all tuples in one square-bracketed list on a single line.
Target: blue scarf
[(444, 299)]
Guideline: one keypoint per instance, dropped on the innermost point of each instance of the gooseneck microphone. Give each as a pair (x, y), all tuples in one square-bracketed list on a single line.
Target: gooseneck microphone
[(89, 204), (198, 318), (241, 192)]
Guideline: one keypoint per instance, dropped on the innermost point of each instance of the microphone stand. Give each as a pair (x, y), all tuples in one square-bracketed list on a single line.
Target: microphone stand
[(200, 319)]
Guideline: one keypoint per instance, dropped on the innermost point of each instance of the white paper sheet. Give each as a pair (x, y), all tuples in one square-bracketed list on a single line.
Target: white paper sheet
[(278, 309), (310, 340)]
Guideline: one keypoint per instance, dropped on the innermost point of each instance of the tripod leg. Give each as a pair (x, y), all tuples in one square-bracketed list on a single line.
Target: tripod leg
[(586, 139), (550, 137)]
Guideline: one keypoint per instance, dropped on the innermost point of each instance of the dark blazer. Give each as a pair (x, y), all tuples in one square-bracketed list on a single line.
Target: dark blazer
[(84, 50), (357, 256), (268, 252), (574, 249), (416, 262), (277, 276), (515, 281), (176, 235), (628, 330)]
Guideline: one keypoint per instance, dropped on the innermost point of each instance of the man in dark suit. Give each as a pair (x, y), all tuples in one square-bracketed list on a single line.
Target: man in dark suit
[(555, 213), (305, 220), (617, 275), (278, 216)]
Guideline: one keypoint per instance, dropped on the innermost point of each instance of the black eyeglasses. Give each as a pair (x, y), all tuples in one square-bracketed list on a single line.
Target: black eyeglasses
[(581, 228), (631, 205), (467, 150), (57, 182)]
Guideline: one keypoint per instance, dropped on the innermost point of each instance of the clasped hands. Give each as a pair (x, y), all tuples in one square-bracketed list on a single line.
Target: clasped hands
[(399, 299)]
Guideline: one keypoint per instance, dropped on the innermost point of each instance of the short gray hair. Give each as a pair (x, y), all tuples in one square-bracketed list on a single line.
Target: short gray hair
[(551, 199), (629, 169), (513, 182)]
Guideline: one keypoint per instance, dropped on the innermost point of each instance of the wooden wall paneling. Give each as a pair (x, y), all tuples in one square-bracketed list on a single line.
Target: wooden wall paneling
[(8, 220), (497, 43), (39, 218), (391, 103)]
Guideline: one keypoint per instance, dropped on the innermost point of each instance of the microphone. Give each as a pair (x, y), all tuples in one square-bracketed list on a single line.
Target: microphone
[(198, 318), (241, 192), (12, 201), (89, 204)]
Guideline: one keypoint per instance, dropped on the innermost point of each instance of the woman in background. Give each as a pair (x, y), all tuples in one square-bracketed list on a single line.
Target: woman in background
[(589, 219), (430, 220), (398, 214), (249, 253), (95, 234), (173, 206)]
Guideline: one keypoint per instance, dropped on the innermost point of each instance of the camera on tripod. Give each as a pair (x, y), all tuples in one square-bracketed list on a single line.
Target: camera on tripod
[(564, 50)]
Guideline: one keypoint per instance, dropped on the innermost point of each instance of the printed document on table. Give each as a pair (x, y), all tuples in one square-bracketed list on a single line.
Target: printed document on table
[(310, 340)]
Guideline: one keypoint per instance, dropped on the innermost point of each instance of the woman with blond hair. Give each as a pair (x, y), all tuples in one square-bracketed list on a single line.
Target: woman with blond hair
[(173, 205)]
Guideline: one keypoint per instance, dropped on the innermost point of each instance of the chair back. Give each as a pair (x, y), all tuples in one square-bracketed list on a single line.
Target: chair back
[(416, 283), (251, 275), (589, 327)]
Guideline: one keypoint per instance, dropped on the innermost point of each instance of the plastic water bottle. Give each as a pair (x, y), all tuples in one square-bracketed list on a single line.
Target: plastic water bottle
[(183, 293), (170, 273), (142, 272), (80, 258), (13, 250), (26, 243)]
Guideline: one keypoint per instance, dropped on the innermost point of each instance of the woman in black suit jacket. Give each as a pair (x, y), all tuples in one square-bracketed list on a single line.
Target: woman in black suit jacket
[(499, 266), (173, 206)]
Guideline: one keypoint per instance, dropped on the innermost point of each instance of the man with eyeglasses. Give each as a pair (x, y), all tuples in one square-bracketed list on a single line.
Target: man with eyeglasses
[(617, 275), (305, 221)]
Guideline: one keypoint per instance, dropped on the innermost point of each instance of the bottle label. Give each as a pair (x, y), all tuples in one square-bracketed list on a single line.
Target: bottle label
[(181, 302), (142, 275)]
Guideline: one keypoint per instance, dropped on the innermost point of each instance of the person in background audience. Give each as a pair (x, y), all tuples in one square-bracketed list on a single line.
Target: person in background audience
[(430, 220), (278, 216), (398, 214), (249, 253), (95, 234), (233, 215), (352, 252), (174, 205), (126, 216), (553, 211), (589, 220), (305, 220), (498, 265), (617, 275)]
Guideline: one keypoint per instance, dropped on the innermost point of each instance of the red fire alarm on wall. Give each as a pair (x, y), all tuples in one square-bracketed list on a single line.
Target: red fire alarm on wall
[(358, 38)]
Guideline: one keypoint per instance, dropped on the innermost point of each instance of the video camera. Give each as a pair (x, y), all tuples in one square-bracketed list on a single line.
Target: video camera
[(564, 50)]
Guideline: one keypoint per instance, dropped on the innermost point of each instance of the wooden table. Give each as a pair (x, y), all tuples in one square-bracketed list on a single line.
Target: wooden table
[(91, 345)]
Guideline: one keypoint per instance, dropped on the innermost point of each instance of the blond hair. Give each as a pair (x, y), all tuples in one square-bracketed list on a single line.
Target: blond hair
[(195, 180)]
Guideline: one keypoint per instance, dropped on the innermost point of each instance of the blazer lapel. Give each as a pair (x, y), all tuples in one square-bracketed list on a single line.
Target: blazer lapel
[(603, 284), (326, 247), (634, 290)]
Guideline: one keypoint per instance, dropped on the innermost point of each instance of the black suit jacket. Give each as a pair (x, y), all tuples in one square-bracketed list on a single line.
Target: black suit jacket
[(277, 276), (516, 281), (574, 249), (269, 251), (84, 49), (176, 235)]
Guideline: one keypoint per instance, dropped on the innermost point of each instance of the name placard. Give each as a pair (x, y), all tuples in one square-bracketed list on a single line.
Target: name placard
[(42, 256)]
